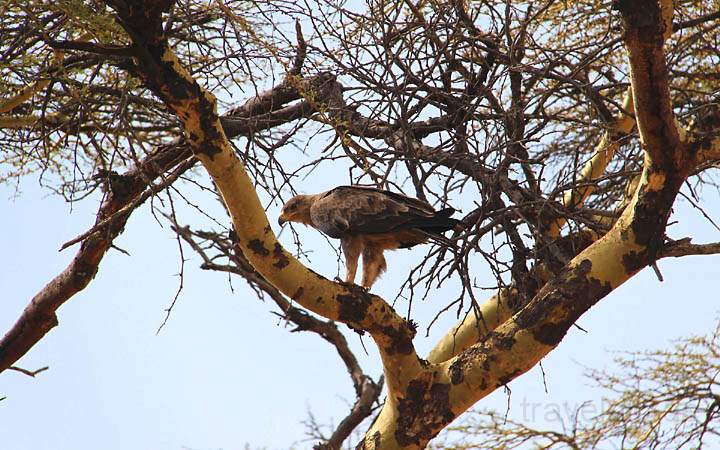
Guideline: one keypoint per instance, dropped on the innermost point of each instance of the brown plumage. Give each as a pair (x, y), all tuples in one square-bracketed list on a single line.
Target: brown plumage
[(369, 221)]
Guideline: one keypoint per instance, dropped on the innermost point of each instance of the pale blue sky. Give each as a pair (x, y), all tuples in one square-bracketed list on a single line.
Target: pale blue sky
[(224, 372)]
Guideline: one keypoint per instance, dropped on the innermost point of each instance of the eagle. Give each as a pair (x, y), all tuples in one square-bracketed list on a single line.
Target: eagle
[(369, 221)]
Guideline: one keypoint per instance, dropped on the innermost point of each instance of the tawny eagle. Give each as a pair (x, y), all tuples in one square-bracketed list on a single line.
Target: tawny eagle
[(369, 221)]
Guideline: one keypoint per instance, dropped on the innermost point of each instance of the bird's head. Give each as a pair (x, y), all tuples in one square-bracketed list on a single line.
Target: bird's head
[(297, 209)]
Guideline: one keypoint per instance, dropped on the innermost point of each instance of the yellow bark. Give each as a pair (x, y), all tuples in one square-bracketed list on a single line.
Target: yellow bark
[(25, 94), (495, 360), (516, 345), (24, 122), (495, 310), (521, 341), (707, 153), (424, 397), (604, 152), (335, 301)]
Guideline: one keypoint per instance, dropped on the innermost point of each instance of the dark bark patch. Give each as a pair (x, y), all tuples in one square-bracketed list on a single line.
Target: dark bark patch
[(257, 247), (298, 294), (372, 444), (457, 374), (634, 261), (176, 86), (281, 260), (550, 333), (639, 12), (267, 229), (503, 342), (651, 215), (208, 118), (476, 354), (643, 16), (400, 339), (505, 379), (561, 302), (353, 307), (209, 148), (423, 412), (483, 384), (458, 367)]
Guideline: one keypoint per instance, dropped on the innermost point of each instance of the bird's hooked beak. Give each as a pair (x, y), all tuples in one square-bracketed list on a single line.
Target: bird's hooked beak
[(282, 219)]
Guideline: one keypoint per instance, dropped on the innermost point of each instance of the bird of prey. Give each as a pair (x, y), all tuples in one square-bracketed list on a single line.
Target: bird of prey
[(369, 221)]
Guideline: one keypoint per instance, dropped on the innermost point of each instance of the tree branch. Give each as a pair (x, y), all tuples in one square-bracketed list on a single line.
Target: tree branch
[(647, 24), (124, 191), (498, 308), (631, 244), (163, 73), (30, 373), (367, 391), (684, 247)]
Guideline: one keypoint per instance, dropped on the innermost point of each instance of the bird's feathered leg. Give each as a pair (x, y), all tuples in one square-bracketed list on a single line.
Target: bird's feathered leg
[(351, 247), (373, 265)]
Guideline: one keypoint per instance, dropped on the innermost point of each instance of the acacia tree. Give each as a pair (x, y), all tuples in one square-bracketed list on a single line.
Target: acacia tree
[(568, 130), (656, 399)]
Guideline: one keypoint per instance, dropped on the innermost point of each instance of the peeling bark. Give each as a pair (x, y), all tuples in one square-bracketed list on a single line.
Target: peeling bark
[(195, 107), (38, 318), (520, 325)]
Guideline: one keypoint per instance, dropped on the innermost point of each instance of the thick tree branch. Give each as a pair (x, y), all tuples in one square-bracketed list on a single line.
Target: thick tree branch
[(647, 24), (633, 242), (498, 308), (595, 167), (684, 247), (367, 391), (196, 108), (127, 192), (520, 342), (39, 316), (495, 104)]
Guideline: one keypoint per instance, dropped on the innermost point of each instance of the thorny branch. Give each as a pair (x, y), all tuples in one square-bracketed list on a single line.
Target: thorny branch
[(367, 390), (491, 106)]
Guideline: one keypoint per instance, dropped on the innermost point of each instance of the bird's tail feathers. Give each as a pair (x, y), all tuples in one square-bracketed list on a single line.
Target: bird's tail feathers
[(433, 227), (446, 212), (439, 223)]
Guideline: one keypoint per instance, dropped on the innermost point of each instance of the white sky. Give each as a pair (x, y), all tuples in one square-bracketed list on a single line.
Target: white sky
[(224, 372)]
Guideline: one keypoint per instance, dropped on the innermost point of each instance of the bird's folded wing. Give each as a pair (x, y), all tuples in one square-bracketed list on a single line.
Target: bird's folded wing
[(361, 210)]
